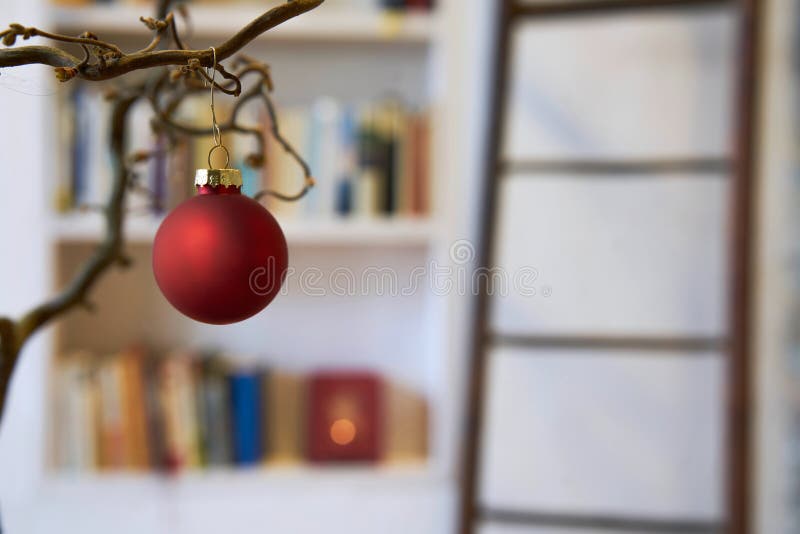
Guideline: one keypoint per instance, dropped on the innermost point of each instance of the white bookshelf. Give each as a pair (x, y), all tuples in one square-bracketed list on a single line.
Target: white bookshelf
[(418, 341)]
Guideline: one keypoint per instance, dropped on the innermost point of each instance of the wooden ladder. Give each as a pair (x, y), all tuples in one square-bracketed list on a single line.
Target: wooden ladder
[(736, 342)]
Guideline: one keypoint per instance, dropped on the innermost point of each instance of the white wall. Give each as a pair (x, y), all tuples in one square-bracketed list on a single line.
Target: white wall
[(23, 264)]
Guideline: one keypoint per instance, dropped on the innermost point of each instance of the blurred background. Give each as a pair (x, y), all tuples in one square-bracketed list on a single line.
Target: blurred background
[(547, 281)]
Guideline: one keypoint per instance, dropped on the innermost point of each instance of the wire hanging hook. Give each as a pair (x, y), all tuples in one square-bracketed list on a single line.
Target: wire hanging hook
[(215, 130)]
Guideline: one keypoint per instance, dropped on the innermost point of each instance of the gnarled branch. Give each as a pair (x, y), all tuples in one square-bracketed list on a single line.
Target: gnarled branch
[(103, 61), (117, 66)]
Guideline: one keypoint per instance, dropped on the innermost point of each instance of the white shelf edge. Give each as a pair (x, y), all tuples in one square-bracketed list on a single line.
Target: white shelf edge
[(389, 476), (89, 228), (322, 25)]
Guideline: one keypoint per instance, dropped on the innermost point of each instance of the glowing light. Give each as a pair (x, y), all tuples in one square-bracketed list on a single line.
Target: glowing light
[(343, 431)]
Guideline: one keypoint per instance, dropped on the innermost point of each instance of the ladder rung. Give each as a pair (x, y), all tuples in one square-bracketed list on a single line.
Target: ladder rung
[(678, 344), (646, 167), (602, 7), (599, 522)]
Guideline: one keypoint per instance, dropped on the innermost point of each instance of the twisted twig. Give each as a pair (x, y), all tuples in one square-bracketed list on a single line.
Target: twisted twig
[(308, 179), (103, 61), (67, 65), (9, 37)]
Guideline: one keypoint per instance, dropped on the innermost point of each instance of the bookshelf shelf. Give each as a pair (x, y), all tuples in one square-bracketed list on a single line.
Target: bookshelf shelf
[(277, 477), (331, 26), (89, 228)]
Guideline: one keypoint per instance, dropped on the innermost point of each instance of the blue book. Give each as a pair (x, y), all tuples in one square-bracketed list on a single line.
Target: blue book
[(245, 390), (80, 144), (348, 132), (344, 196)]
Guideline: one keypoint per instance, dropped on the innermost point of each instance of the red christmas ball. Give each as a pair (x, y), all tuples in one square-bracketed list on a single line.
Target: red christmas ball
[(220, 257)]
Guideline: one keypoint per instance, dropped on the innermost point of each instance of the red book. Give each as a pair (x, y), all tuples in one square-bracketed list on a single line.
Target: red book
[(419, 4), (344, 417)]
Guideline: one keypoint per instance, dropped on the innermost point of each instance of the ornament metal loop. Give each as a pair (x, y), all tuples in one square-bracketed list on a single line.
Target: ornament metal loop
[(227, 156)]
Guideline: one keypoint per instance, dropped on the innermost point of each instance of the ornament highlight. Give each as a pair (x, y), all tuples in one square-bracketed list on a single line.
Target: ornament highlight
[(220, 257)]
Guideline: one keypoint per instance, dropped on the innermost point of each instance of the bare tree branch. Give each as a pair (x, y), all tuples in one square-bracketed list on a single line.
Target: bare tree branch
[(103, 61), (117, 66), (44, 55)]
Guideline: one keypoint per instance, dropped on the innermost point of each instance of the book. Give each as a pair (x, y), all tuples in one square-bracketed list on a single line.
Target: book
[(99, 166), (177, 402), (344, 182), (344, 414), (63, 199), (246, 417), (344, 196), (140, 139), (325, 156), (75, 408), (112, 438), (285, 416), (215, 416), (404, 163), (154, 415), (393, 4), (406, 424), (386, 159), (370, 185), (419, 134), (368, 191), (132, 389), (403, 5), (425, 5), (81, 135)]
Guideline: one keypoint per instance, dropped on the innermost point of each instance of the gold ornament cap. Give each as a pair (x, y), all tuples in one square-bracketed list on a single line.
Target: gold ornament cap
[(218, 177)]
